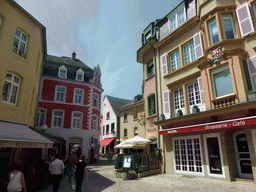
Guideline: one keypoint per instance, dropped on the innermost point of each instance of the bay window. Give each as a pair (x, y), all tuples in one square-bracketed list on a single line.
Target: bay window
[(222, 81), (214, 33), (228, 26)]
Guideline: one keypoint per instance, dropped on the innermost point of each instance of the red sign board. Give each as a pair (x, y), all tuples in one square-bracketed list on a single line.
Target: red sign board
[(211, 126)]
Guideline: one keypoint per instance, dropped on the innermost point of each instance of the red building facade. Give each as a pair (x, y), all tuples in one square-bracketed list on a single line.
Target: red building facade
[(69, 103)]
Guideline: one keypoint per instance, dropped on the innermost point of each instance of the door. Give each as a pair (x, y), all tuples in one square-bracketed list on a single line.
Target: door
[(243, 156)]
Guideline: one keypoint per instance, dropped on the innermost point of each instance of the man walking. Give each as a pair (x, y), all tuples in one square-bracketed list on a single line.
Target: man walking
[(56, 171)]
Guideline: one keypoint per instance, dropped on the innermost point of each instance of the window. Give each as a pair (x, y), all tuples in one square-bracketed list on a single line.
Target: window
[(193, 94), (178, 99), (11, 88), (1, 21), (213, 29), (150, 68), (78, 96), (107, 129), (189, 52), (113, 128), (187, 154), (125, 117), (40, 117), (175, 59), (77, 120), (222, 81), (136, 131), (125, 132), (95, 122), (96, 101), (177, 18), (228, 27), (151, 105), (20, 43), (80, 75), (60, 93), (62, 72), (108, 115), (135, 115), (57, 118), (148, 35)]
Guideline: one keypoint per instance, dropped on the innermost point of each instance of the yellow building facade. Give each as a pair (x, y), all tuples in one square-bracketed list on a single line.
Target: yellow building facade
[(22, 48), (205, 59)]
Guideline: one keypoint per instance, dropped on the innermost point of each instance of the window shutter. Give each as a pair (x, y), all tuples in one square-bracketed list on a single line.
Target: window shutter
[(167, 104), (198, 43), (200, 86), (244, 19), (252, 69), (164, 64)]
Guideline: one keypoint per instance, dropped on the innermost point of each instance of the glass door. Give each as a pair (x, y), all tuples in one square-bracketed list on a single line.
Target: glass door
[(243, 156)]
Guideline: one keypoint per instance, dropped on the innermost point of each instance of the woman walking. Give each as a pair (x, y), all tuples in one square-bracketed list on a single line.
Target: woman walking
[(16, 180), (80, 168)]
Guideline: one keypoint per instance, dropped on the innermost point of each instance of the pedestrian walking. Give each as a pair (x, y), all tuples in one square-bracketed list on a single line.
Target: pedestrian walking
[(16, 180), (80, 169), (70, 166), (57, 171)]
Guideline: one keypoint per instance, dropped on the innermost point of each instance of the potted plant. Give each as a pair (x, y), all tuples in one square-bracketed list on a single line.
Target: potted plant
[(131, 174), (252, 96), (179, 113), (195, 109)]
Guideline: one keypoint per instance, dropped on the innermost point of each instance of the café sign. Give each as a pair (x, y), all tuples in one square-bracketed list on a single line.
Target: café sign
[(24, 144), (210, 126)]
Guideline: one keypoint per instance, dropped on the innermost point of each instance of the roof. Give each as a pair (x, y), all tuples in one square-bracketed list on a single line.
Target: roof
[(132, 103), (116, 103), (67, 61)]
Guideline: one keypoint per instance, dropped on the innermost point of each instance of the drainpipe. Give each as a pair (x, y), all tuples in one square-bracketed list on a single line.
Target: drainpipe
[(157, 112)]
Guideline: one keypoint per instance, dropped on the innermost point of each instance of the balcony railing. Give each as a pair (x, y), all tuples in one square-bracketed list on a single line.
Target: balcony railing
[(224, 101)]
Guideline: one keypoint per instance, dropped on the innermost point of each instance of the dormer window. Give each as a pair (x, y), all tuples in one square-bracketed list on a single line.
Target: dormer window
[(63, 72), (177, 18), (80, 75)]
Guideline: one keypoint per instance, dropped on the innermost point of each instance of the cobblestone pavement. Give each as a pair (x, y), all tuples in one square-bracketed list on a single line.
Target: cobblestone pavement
[(102, 178)]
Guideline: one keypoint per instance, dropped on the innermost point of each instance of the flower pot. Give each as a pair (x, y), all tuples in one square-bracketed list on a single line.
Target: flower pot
[(195, 110)]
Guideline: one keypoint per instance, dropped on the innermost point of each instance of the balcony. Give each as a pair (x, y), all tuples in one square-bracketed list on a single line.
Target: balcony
[(109, 135), (224, 101)]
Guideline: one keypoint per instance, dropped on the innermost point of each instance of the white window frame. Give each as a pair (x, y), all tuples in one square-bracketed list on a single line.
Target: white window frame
[(12, 85), (232, 23), (56, 94), (181, 102), (53, 117), (64, 69), (209, 24), (175, 59), (95, 122), (82, 96), (206, 155), (96, 100), (201, 155), (174, 17), (189, 53), (20, 40), (39, 117), (219, 69), (195, 95), (77, 118), (80, 72)]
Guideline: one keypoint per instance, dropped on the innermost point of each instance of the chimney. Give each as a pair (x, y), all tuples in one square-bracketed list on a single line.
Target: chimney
[(74, 56)]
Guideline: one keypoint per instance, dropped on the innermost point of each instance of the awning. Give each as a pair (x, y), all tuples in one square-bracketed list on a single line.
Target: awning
[(106, 142), (210, 126), (19, 135)]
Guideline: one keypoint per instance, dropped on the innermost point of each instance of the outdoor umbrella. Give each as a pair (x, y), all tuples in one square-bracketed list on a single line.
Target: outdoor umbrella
[(122, 145), (136, 141)]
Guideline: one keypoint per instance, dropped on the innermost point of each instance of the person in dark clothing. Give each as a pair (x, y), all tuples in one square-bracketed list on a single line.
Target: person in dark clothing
[(80, 168)]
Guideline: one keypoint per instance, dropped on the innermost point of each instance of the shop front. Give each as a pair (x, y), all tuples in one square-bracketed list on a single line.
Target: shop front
[(222, 149)]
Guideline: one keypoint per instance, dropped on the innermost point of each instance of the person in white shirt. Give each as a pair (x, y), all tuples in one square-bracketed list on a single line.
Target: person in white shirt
[(57, 171), (16, 181)]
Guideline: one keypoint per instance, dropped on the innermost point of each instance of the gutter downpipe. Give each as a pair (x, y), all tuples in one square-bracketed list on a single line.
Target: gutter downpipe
[(157, 112)]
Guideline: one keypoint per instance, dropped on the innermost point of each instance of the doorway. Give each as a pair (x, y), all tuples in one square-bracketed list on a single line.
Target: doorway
[(243, 158)]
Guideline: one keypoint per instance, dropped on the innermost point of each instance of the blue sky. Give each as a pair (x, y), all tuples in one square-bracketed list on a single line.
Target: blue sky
[(104, 32)]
